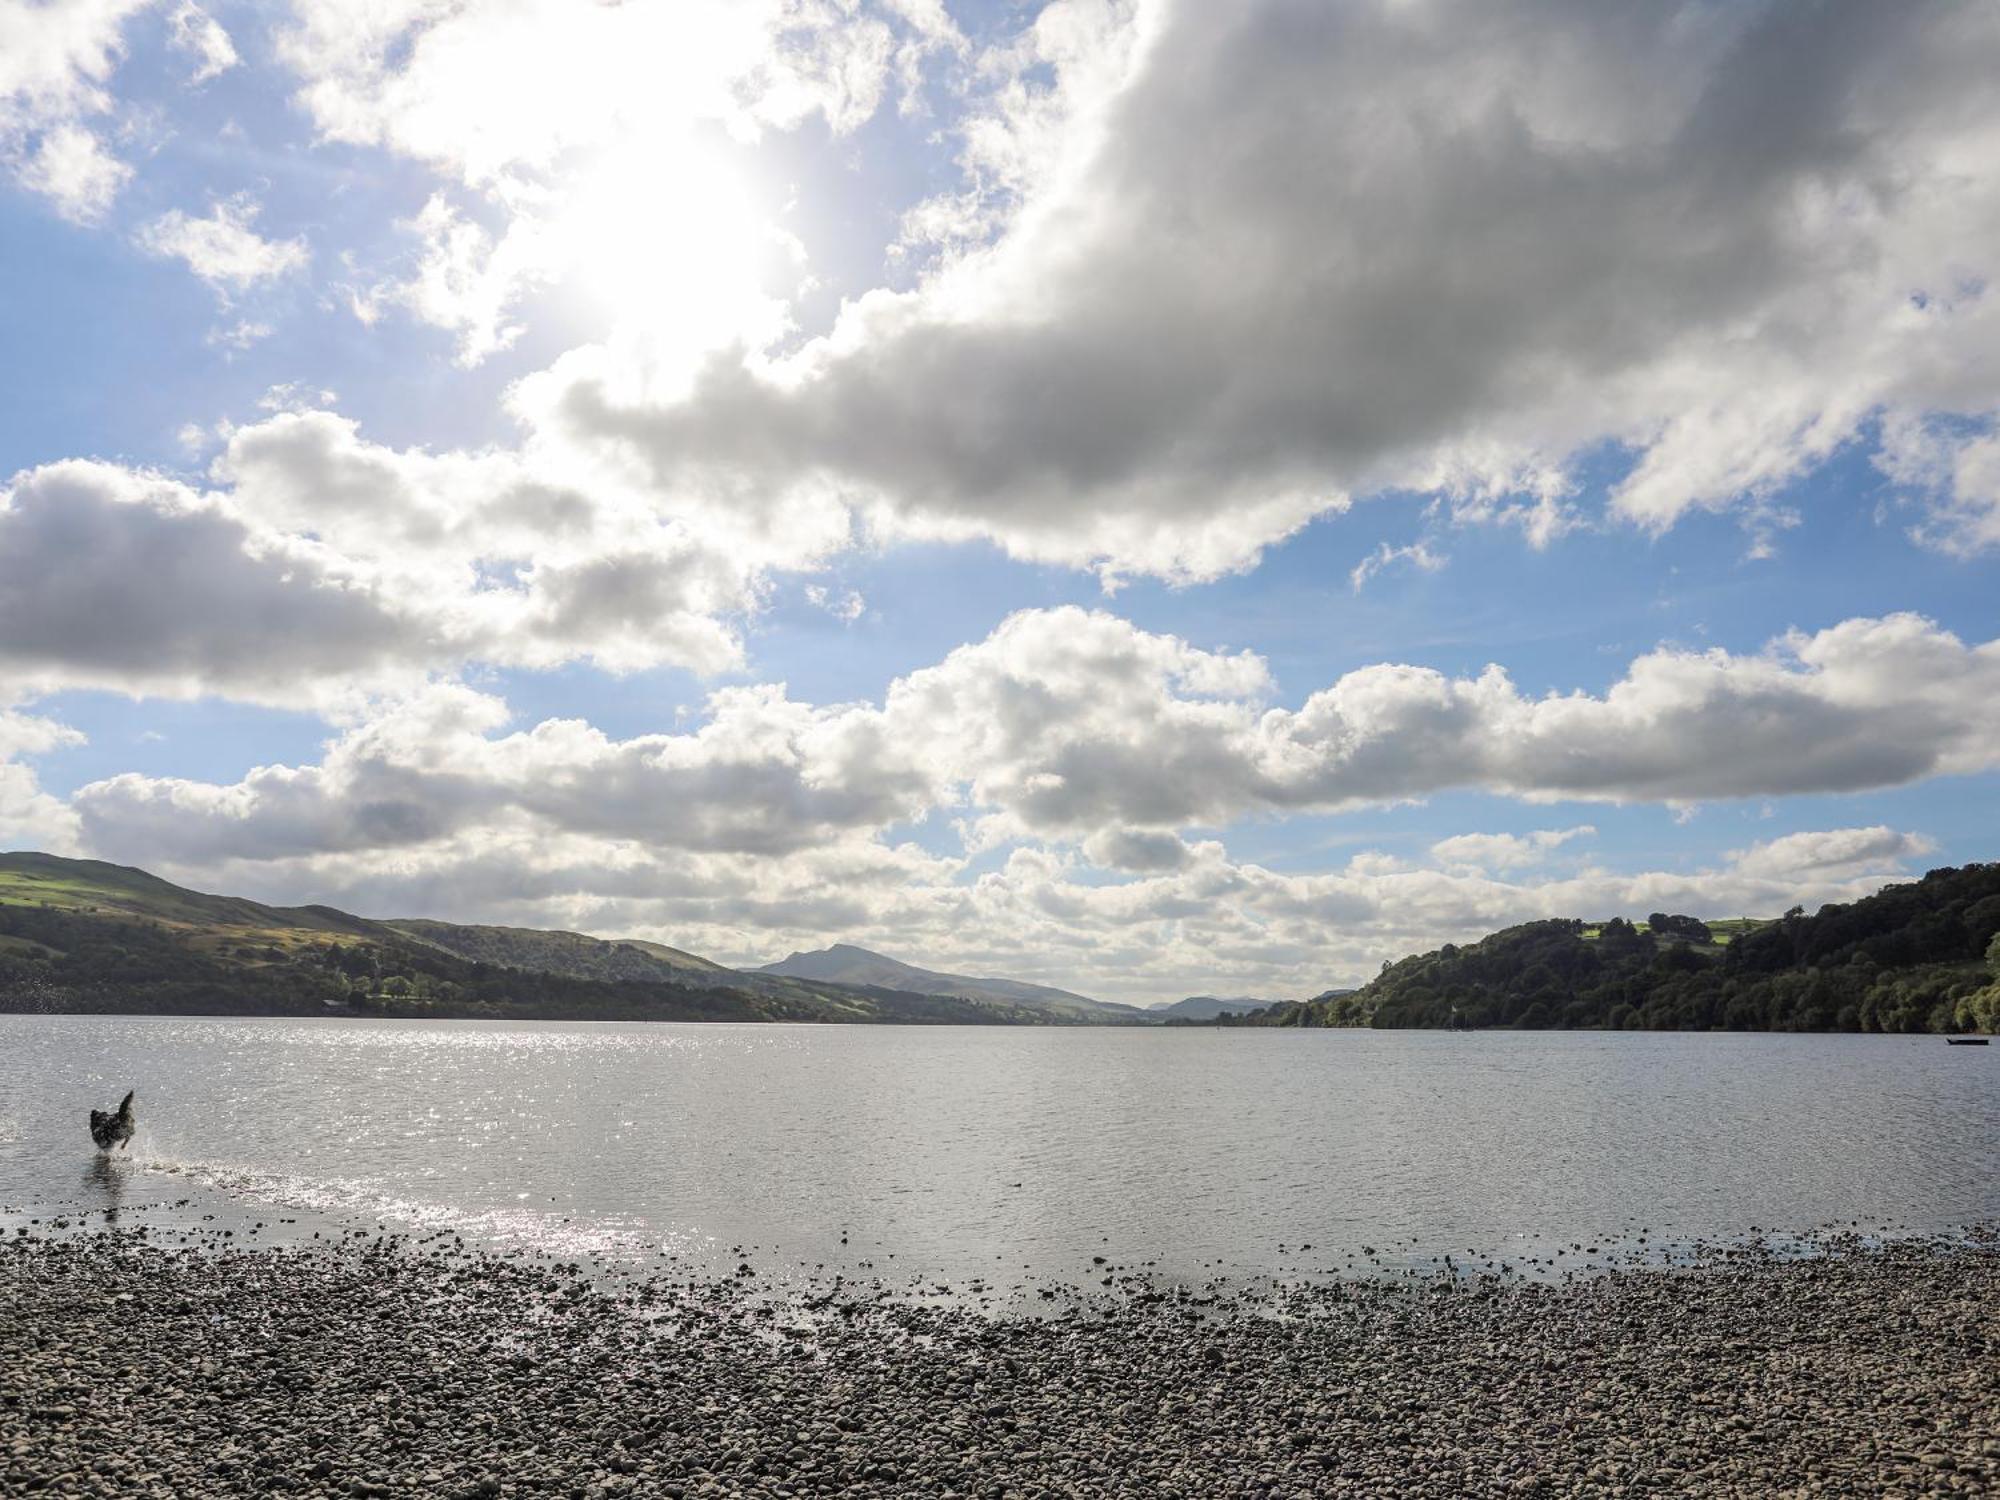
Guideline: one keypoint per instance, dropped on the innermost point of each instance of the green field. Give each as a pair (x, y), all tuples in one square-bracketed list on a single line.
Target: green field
[(1725, 930)]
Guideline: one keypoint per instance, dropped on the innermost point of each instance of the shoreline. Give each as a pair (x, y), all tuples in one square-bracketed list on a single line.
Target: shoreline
[(375, 1366), (630, 1016)]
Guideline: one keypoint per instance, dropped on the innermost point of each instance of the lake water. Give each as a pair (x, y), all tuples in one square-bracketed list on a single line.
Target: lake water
[(948, 1152)]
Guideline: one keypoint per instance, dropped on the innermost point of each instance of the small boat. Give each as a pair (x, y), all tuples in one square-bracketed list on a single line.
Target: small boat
[(1966, 1041)]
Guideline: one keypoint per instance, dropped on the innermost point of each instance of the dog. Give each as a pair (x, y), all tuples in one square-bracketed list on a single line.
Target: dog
[(109, 1129)]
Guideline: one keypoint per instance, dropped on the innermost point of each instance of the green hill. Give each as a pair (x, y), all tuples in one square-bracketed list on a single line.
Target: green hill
[(92, 887), (82, 935), (571, 954), (1918, 957)]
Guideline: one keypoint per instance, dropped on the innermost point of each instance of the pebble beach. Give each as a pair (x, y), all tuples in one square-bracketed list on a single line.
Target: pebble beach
[(382, 1367)]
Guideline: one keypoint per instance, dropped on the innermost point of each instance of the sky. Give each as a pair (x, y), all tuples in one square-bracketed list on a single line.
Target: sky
[(1155, 498)]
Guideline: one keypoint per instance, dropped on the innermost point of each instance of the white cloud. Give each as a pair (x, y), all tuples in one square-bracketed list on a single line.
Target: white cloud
[(321, 565), (468, 282), (55, 63), (1504, 851), (592, 172), (222, 248), (1063, 723), (71, 165), (1418, 555), (1075, 728), (845, 604), (1206, 277), (297, 396), (194, 32), (469, 88), (135, 583), (31, 818), (240, 335), (1955, 473), (1835, 854)]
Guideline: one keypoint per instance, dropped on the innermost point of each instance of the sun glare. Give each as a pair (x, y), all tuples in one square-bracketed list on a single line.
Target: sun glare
[(672, 243)]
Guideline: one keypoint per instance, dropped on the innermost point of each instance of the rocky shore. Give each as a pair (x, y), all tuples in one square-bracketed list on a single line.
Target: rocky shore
[(379, 1367)]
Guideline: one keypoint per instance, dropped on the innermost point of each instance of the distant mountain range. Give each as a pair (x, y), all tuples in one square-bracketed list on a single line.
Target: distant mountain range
[(844, 963), (84, 935), (1206, 1008)]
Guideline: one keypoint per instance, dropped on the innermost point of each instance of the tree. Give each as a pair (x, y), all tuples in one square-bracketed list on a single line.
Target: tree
[(1692, 928)]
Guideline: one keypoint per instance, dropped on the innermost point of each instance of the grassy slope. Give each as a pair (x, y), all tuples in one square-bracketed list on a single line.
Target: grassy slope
[(86, 934), (556, 952), (223, 928), (89, 885)]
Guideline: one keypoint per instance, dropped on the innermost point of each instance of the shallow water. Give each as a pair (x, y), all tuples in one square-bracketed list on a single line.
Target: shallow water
[(950, 1152)]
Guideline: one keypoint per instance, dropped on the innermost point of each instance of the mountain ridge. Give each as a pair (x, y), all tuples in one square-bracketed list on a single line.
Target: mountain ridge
[(848, 963), (94, 936), (1206, 1007)]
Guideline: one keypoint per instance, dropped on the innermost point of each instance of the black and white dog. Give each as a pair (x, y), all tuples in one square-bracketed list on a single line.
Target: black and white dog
[(108, 1129)]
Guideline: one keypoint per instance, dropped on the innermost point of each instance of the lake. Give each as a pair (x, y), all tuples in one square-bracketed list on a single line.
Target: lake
[(956, 1152)]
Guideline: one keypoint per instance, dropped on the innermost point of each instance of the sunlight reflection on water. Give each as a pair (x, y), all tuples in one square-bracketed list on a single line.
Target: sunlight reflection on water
[(958, 1150)]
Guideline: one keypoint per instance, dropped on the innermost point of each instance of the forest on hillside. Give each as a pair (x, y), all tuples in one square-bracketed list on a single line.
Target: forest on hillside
[(56, 960), (1923, 956)]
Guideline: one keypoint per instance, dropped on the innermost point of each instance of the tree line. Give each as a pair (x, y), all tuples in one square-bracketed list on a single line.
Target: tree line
[(1922, 956)]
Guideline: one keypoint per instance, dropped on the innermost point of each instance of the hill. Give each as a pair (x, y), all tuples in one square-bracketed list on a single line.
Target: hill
[(571, 954), (1205, 1008), (90, 886), (83, 935), (846, 964), (1923, 956)]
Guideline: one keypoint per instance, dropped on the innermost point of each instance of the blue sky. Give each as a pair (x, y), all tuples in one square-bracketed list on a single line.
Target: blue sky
[(1127, 464)]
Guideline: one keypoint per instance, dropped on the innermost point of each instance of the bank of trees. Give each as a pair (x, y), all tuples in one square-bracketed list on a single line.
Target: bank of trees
[(66, 960), (1918, 957)]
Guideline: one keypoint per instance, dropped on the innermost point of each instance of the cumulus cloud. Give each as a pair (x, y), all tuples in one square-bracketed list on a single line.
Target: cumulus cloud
[(114, 579), (1208, 277), (222, 248), (71, 165), (31, 818), (55, 64), (1064, 722), (1838, 853), (1139, 850), (764, 776), (1075, 728), (1504, 851), (320, 565)]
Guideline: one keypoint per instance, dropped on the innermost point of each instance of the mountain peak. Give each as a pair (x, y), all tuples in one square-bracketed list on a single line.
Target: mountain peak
[(846, 963)]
